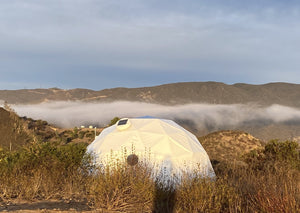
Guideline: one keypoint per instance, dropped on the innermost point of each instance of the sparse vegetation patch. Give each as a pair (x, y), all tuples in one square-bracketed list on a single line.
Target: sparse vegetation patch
[(269, 183)]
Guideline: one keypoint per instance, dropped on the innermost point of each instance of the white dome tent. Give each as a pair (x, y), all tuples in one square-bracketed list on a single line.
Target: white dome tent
[(170, 146)]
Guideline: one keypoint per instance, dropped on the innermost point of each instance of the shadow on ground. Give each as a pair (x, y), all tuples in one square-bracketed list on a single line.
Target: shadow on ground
[(46, 205)]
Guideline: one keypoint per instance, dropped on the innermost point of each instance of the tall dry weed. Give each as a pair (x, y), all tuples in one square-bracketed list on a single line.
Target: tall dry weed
[(123, 188)]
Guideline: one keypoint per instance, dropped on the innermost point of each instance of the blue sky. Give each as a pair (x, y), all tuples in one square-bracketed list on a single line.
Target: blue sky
[(100, 44)]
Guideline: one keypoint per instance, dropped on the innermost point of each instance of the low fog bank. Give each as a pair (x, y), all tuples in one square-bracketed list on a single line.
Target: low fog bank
[(206, 116)]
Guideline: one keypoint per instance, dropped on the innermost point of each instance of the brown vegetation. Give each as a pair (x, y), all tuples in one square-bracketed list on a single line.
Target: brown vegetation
[(18, 131), (55, 174), (12, 134), (51, 171), (229, 147)]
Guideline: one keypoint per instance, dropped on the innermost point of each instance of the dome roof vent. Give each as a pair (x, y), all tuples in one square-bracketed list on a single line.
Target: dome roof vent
[(123, 124)]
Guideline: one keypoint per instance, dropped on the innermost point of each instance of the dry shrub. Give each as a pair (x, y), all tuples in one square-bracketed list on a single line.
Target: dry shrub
[(271, 181), (276, 192), (206, 195), (123, 188), (42, 171), (135, 189), (264, 191), (268, 181)]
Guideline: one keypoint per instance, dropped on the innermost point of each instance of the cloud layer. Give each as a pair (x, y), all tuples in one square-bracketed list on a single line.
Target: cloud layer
[(205, 116)]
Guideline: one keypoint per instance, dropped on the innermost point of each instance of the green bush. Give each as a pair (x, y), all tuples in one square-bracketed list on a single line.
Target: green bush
[(90, 135), (275, 152), (286, 151), (74, 134), (81, 134), (114, 121)]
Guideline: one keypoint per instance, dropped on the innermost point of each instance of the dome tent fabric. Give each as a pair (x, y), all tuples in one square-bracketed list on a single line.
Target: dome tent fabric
[(170, 146)]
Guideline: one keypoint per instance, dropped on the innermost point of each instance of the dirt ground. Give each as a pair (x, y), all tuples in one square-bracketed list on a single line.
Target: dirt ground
[(48, 206)]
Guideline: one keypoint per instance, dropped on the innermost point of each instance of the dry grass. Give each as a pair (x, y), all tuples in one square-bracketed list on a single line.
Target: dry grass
[(123, 188), (51, 171)]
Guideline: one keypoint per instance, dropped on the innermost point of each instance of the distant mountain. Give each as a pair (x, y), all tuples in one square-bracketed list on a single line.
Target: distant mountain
[(186, 93), (168, 94)]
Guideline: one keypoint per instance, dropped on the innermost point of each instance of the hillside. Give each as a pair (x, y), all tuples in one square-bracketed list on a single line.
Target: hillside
[(177, 93), (16, 132), (12, 134), (229, 145)]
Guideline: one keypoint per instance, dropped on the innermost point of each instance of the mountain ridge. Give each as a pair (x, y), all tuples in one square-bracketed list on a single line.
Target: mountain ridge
[(287, 94)]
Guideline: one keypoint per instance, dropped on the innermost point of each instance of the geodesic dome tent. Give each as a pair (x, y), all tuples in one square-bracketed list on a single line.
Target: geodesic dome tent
[(172, 148)]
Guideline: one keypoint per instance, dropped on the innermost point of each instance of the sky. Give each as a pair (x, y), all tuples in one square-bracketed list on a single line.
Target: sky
[(98, 44)]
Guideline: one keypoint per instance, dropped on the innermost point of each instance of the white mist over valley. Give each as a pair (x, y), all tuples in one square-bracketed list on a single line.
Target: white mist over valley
[(69, 114)]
